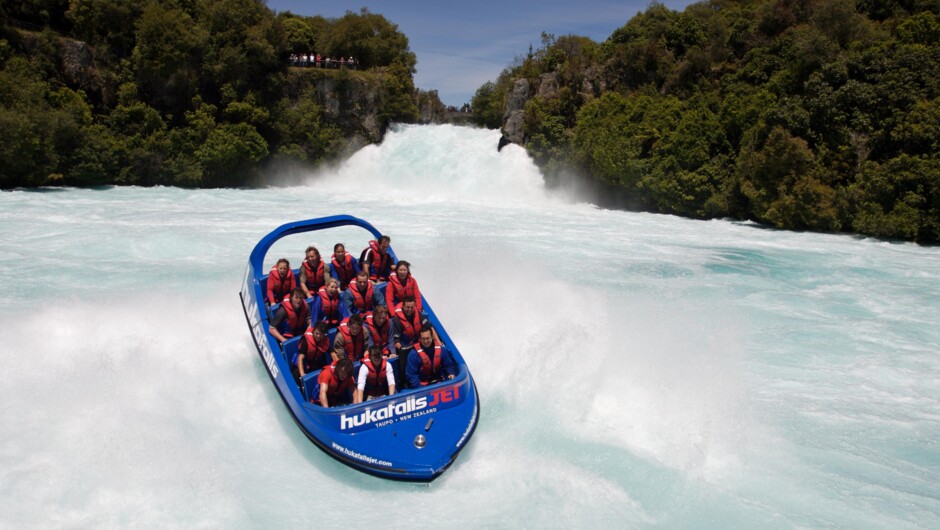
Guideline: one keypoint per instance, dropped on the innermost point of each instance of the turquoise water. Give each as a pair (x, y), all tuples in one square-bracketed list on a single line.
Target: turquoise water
[(636, 370)]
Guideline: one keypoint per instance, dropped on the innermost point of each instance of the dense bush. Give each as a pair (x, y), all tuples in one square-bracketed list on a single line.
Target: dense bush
[(819, 115), (182, 92)]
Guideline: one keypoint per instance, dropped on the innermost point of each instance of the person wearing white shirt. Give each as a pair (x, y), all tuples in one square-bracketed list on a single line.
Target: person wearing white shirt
[(376, 377)]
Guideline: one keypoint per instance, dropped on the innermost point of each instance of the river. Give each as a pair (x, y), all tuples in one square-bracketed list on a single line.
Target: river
[(635, 370)]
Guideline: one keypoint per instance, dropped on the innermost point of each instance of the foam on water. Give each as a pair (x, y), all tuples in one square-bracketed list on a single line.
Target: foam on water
[(635, 370)]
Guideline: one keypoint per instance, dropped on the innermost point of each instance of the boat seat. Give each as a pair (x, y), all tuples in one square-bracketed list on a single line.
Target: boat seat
[(309, 385), (289, 347)]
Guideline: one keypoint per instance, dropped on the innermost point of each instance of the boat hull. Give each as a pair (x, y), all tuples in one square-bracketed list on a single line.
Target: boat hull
[(414, 435)]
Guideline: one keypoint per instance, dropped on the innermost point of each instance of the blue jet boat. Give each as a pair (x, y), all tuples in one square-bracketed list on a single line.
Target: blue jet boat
[(413, 435)]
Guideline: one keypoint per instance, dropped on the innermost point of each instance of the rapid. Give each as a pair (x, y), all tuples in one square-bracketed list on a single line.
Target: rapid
[(635, 370)]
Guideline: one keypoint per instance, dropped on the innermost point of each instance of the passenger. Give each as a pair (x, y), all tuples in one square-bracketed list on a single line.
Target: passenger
[(376, 260), (429, 362), (376, 377), (336, 383), (312, 275), (280, 281), (327, 302), (379, 329), (350, 341), (313, 352), (343, 266), (402, 284), (406, 322), (294, 310), (358, 298)]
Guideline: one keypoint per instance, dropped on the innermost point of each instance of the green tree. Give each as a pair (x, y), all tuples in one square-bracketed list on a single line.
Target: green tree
[(107, 24), (487, 104), (899, 199), (778, 174), (230, 153), (245, 45), (688, 162), (371, 39), (922, 28), (616, 138), (168, 57), (300, 35), (398, 102), (302, 133)]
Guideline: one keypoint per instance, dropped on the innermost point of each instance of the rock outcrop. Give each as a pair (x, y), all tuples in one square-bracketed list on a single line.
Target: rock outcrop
[(515, 112), (430, 107), (352, 103)]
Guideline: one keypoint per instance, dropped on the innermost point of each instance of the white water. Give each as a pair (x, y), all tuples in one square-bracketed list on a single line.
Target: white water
[(677, 373)]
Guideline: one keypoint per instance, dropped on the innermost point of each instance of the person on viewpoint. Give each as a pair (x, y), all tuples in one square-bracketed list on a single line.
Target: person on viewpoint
[(402, 284), (376, 377), (312, 272), (343, 266), (350, 341), (376, 260), (294, 310), (336, 383), (429, 361), (359, 299), (280, 281)]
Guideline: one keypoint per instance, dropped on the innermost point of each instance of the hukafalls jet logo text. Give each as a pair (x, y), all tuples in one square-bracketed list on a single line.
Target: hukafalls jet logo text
[(400, 411)]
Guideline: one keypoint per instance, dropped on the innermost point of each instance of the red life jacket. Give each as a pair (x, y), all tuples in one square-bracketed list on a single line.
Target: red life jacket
[(344, 270), (316, 351), (335, 387), (363, 303), (395, 292), (329, 308), (376, 380), (314, 278), (380, 263), (355, 346), (296, 320), (409, 328), (379, 335), (427, 373), (279, 287)]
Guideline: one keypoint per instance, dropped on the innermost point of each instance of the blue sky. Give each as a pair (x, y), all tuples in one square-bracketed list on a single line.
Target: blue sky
[(461, 45)]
